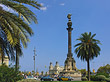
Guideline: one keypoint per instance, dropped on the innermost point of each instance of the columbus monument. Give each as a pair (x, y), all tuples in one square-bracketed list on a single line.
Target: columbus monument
[(70, 64)]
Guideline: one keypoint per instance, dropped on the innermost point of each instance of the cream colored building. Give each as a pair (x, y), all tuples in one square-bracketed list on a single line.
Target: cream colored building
[(55, 70), (6, 60)]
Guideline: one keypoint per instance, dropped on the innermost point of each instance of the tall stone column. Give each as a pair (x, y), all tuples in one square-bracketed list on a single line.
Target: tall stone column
[(69, 62), (69, 36)]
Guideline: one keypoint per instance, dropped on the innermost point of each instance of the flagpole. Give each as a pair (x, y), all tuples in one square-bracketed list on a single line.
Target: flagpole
[(34, 57)]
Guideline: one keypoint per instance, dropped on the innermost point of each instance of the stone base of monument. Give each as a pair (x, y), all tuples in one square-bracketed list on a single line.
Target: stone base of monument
[(74, 74)]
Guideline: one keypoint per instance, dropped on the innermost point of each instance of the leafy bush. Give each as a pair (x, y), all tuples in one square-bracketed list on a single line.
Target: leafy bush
[(84, 79), (93, 78), (104, 69), (107, 79), (100, 78), (8, 74), (28, 80), (105, 74)]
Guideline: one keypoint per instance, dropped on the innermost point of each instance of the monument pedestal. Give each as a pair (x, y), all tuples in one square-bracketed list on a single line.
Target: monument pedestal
[(70, 68), (74, 74)]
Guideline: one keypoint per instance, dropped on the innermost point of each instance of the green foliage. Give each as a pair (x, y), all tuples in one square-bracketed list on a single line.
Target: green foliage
[(14, 25), (8, 74), (27, 80), (33, 72), (87, 49), (105, 74), (104, 69), (93, 77), (5, 47), (107, 79), (42, 72), (84, 79), (100, 78), (83, 72), (46, 74)]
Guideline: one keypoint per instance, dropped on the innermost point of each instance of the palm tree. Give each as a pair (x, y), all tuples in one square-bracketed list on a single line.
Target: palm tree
[(16, 29), (5, 47), (11, 22), (87, 49)]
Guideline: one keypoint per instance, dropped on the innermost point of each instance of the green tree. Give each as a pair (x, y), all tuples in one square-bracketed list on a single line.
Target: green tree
[(10, 23), (42, 73), (8, 74), (13, 24), (5, 47), (83, 72), (87, 49), (33, 72), (104, 70)]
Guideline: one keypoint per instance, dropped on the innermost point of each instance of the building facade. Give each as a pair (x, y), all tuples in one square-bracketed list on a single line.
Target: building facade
[(6, 60), (55, 70)]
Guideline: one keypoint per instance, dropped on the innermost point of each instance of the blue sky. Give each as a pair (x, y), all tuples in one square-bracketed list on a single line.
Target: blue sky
[(50, 35)]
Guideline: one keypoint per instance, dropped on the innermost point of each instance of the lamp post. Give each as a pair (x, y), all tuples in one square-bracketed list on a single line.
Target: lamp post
[(34, 57)]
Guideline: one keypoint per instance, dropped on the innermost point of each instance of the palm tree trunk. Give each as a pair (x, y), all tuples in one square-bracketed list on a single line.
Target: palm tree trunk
[(17, 54), (2, 56), (2, 59), (88, 67), (17, 60)]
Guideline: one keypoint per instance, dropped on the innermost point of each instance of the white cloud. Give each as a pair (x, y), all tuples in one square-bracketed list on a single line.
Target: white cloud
[(42, 4), (62, 4), (43, 8)]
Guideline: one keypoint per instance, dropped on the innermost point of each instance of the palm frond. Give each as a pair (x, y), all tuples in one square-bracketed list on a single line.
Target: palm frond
[(88, 47)]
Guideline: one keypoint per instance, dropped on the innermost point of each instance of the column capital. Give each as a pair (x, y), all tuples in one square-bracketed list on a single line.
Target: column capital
[(69, 29)]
